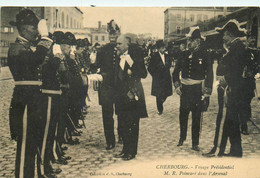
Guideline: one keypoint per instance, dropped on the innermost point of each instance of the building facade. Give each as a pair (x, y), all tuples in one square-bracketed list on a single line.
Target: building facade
[(99, 34), (178, 18), (66, 19)]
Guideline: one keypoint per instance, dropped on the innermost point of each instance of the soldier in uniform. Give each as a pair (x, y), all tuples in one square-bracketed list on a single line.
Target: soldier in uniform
[(105, 62), (75, 82), (51, 74), (130, 100), (195, 68), (235, 61), (159, 68), (24, 60)]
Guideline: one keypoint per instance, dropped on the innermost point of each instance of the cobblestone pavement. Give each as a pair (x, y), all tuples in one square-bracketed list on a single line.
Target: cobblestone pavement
[(159, 135)]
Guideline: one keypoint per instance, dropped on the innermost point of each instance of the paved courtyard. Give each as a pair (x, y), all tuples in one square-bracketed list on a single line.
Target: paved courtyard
[(159, 135)]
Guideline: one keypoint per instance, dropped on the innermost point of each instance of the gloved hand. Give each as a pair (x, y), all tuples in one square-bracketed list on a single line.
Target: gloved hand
[(178, 91), (56, 49), (42, 28)]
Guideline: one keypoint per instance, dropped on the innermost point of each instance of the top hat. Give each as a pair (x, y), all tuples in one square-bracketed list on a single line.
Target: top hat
[(195, 33), (232, 26), (160, 43), (25, 17), (70, 38)]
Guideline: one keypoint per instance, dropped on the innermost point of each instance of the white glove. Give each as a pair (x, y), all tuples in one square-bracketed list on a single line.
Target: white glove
[(42, 28), (56, 49), (178, 91)]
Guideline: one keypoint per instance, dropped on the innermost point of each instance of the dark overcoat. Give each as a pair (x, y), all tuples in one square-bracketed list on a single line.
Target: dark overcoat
[(160, 72), (131, 83), (105, 60)]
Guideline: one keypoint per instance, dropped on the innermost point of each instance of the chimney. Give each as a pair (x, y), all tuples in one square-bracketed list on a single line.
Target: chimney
[(99, 25)]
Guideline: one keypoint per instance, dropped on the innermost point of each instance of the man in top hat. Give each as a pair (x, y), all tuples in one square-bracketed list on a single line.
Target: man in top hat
[(159, 68), (129, 97), (24, 60), (195, 68), (235, 61), (105, 62)]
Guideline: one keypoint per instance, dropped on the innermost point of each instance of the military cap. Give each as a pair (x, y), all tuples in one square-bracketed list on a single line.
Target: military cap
[(195, 33), (113, 28), (232, 26), (86, 41), (25, 17), (58, 37), (70, 38), (160, 43)]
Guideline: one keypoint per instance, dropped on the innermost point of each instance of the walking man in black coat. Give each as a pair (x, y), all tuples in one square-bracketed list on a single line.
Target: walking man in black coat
[(130, 100), (159, 68), (195, 68)]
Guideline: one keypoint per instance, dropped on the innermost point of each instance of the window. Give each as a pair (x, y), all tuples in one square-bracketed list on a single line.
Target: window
[(178, 30), (71, 22), (178, 17), (7, 29), (199, 17), (205, 17), (192, 18), (96, 38), (62, 20), (4, 43), (103, 38), (67, 22)]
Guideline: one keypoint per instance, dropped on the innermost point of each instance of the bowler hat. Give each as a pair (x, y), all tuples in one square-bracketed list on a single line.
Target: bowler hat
[(195, 33), (160, 43), (233, 27), (25, 17)]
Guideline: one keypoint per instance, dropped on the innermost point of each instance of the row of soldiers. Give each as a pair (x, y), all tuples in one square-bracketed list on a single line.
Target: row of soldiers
[(49, 97)]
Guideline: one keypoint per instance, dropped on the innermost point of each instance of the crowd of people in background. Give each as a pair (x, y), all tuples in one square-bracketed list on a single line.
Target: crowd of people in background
[(52, 74)]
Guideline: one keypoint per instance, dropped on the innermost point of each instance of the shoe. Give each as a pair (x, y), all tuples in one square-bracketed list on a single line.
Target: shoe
[(54, 171), (64, 148), (120, 155), (61, 161), (245, 132), (79, 126), (180, 142), (128, 157), (66, 157), (110, 147), (74, 133), (211, 153), (48, 176), (196, 148), (160, 113)]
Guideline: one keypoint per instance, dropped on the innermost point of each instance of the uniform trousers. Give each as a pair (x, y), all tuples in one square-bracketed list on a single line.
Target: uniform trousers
[(129, 122), (25, 125), (108, 123), (51, 116), (190, 101)]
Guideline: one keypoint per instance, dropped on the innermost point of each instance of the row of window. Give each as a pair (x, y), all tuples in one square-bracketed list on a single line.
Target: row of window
[(103, 38), (68, 22), (4, 43), (191, 18), (6, 29)]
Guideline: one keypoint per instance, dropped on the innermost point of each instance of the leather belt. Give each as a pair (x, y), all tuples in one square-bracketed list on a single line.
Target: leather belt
[(55, 92), (38, 83)]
